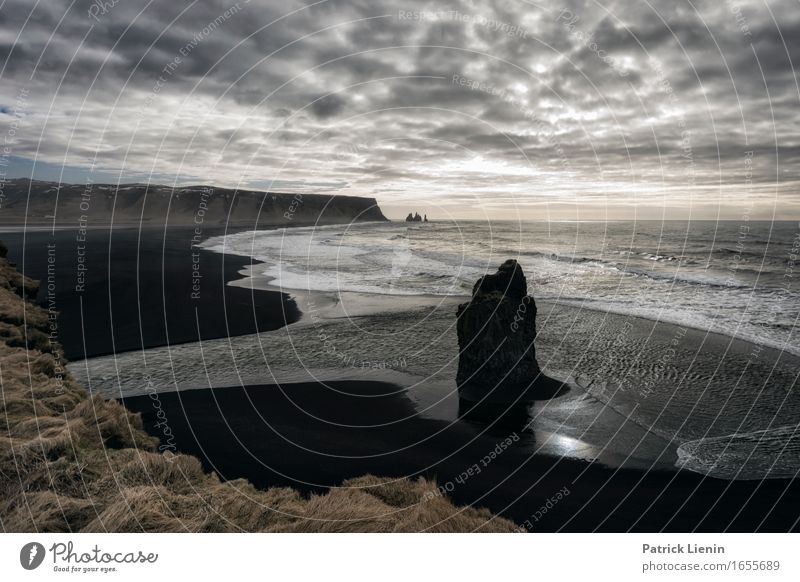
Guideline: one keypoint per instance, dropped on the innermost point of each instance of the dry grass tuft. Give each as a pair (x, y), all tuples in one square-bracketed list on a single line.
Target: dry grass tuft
[(71, 462)]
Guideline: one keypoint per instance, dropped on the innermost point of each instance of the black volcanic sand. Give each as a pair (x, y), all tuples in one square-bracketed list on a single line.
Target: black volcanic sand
[(138, 289), (310, 435)]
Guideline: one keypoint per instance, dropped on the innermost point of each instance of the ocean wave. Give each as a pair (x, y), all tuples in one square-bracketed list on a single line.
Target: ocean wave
[(765, 454), (712, 279), (771, 334)]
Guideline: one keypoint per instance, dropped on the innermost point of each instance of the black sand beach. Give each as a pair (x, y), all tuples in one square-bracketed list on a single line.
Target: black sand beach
[(141, 288), (312, 435)]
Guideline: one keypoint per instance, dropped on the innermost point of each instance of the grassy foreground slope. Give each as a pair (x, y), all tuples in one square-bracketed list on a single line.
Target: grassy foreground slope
[(73, 462)]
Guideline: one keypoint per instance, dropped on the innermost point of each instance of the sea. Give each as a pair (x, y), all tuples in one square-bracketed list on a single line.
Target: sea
[(737, 278)]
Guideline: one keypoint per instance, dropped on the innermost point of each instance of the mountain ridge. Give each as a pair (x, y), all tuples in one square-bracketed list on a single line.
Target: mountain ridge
[(25, 201)]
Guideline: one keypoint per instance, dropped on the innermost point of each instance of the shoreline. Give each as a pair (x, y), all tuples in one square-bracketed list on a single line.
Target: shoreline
[(130, 290)]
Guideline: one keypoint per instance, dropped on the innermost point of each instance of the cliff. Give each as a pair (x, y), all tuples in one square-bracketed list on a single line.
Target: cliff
[(102, 204), (74, 462)]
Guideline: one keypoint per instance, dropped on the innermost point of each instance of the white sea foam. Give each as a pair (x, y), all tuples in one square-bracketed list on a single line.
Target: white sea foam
[(772, 453)]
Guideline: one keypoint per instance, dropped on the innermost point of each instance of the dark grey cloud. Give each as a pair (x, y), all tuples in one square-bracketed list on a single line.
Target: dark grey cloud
[(557, 103), (327, 106)]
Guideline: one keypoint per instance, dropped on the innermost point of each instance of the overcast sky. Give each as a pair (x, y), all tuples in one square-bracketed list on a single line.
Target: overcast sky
[(588, 110)]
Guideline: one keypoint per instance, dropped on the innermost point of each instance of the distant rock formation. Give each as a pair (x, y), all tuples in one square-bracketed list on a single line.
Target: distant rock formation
[(414, 217), (496, 329), (425, 219)]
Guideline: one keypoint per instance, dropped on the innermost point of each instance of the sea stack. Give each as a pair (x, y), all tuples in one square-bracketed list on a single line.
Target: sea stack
[(496, 328)]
